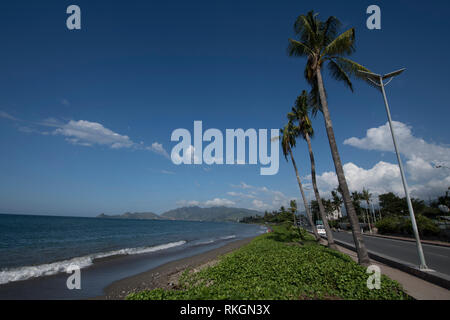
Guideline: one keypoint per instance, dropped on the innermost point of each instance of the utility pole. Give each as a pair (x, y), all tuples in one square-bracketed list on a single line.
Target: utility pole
[(378, 80)]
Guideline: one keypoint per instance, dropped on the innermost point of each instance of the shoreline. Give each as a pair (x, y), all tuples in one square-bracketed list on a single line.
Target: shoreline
[(166, 275)]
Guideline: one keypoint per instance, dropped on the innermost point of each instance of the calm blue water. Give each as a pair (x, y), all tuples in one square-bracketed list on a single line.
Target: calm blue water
[(32, 246)]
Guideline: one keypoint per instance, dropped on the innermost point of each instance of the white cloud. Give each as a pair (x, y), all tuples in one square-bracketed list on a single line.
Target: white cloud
[(217, 202), (425, 180), (240, 194), (159, 149), (380, 139), (5, 115), (88, 133), (167, 172), (261, 198), (260, 205), (190, 154), (242, 185), (252, 197), (187, 203), (383, 177)]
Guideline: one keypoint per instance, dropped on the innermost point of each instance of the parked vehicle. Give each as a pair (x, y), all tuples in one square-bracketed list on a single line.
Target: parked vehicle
[(321, 230)]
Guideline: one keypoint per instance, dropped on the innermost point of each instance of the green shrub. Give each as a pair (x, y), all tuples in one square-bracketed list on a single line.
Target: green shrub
[(431, 212), (271, 267), (333, 223), (389, 225), (401, 225)]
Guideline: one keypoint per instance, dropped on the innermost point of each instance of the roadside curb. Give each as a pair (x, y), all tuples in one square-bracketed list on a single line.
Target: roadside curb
[(434, 277)]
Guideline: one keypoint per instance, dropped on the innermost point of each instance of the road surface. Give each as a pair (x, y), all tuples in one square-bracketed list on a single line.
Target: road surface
[(437, 258)]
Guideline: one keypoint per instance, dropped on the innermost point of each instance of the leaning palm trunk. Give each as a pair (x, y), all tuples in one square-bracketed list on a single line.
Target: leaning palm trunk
[(330, 238), (363, 257), (308, 212), (369, 220)]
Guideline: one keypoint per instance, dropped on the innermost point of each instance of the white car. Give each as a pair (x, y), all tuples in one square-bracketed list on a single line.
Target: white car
[(321, 230)]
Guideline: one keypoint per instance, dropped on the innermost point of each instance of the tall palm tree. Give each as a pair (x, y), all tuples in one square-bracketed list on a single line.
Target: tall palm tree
[(366, 195), (337, 201), (320, 43), (293, 208), (356, 201), (288, 141), (299, 114)]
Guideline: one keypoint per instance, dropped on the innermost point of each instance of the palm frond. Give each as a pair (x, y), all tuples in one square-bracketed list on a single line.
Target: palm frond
[(307, 27), (339, 73), (341, 45), (300, 114), (304, 24), (288, 138), (314, 99), (330, 30), (298, 49), (351, 68)]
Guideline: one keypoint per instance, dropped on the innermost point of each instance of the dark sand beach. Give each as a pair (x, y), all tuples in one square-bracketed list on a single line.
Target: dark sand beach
[(166, 276)]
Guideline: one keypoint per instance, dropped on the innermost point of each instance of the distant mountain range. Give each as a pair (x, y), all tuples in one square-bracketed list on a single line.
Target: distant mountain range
[(218, 214)]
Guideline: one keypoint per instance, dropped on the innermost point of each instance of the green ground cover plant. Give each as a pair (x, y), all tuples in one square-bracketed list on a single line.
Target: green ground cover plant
[(282, 265)]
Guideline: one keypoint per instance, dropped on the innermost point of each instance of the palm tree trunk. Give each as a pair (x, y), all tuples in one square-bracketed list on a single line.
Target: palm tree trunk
[(373, 214), (363, 257), (370, 220), (364, 221), (308, 212), (323, 215)]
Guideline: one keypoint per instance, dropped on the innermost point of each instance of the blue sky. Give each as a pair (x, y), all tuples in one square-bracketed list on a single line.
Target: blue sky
[(141, 69)]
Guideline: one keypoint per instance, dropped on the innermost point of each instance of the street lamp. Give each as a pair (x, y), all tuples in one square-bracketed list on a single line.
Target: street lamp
[(378, 80), (309, 190)]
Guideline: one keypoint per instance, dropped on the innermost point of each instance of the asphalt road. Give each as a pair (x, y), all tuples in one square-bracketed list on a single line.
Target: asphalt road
[(437, 258)]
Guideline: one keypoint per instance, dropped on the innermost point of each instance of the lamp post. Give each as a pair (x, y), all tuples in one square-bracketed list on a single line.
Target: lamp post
[(378, 80), (309, 189)]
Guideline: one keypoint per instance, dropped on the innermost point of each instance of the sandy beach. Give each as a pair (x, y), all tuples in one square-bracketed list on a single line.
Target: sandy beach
[(166, 276)]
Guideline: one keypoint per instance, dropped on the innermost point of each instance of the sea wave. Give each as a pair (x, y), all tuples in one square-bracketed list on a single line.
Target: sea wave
[(27, 272), (209, 241), (205, 242), (228, 237)]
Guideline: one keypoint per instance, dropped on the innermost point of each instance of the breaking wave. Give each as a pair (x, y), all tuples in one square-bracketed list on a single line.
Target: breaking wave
[(27, 272)]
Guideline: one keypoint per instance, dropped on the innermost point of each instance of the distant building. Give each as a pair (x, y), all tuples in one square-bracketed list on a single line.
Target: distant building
[(335, 215)]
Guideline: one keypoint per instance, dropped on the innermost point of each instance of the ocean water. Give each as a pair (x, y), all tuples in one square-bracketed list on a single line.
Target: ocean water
[(36, 246)]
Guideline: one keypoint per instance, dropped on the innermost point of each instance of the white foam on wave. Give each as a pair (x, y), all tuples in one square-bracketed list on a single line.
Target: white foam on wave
[(24, 273), (206, 242), (228, 237), (209, 241)]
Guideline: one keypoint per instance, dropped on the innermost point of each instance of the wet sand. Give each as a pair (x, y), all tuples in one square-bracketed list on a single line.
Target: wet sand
[(166, 276)]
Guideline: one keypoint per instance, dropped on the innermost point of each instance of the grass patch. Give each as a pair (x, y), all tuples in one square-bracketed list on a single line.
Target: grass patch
[(274, 267)]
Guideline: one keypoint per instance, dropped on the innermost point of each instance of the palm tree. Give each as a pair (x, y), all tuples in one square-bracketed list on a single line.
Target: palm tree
[(288, 137), (293, 208), (299, 114), (320, 43), (337, 201), (356, 201), (366, 195)]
